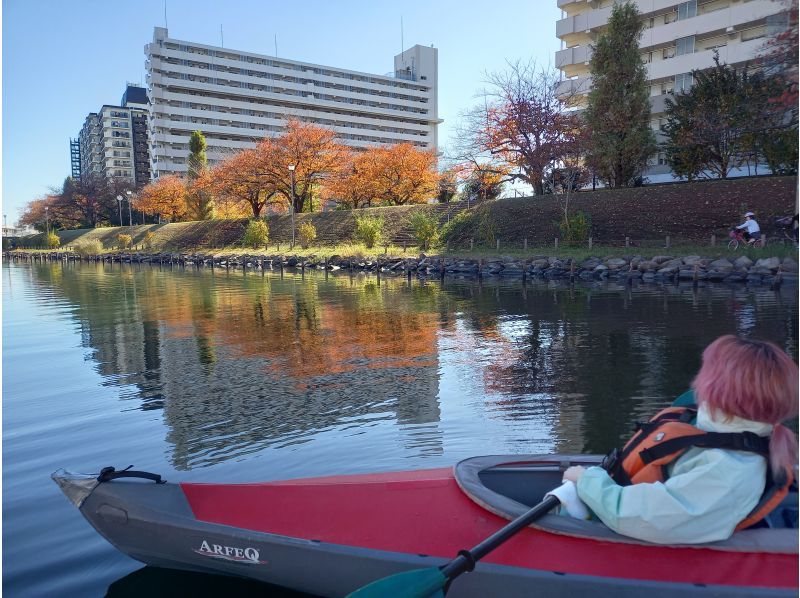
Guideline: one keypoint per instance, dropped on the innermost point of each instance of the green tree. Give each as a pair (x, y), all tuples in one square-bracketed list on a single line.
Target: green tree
[(199, 200), (618, 111), (729, 118)]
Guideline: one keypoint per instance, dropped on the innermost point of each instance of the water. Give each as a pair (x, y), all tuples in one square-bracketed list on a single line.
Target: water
[(229, 377)]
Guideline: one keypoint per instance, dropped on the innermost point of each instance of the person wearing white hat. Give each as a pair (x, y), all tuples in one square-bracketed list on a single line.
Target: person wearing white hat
[(752, 231)]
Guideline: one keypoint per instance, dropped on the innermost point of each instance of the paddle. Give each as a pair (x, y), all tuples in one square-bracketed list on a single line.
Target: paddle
[(432, 582)]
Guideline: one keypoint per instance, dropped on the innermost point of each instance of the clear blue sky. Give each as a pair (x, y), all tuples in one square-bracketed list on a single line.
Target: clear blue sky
[(64, 59)]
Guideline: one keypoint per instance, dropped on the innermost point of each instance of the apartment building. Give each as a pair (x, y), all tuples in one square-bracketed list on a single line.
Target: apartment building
[(113, 141), (237, 98), (679, 37)]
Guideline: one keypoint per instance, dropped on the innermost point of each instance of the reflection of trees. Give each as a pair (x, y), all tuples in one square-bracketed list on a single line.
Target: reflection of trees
[(607, 355), (240, 363)]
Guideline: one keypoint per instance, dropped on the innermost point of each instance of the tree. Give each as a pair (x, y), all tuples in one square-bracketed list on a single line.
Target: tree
[(34, 213), (199, 201), (403, 174), (165, 197), (482, 181), (523, 122), (723, 121), (311, 149), (779, 54), (239, 180), (351, 184), (618, 110), (448, 185)]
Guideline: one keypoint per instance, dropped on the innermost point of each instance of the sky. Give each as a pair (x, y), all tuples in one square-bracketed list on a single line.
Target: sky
[(64, 59)]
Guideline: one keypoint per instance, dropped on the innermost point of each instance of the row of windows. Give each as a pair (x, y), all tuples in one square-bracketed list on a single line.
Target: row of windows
[(292, 79), (209, 95), (263, 127), (289, 92), (211, 138), (285, 65)]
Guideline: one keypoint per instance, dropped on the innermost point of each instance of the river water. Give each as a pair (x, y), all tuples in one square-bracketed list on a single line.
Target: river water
[(246, 377)]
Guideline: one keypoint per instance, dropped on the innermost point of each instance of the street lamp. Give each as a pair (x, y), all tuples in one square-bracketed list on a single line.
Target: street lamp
[(291, 169), (129, 193), (47, 219), (119, 201)]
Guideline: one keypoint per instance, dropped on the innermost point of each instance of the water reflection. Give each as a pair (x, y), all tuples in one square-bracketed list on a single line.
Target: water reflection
[(239, 363)]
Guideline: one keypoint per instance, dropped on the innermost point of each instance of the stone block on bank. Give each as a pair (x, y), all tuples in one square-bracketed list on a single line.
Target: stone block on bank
[(721, 264), (692, 260), (771, 263), (615, 263), (743, 262)]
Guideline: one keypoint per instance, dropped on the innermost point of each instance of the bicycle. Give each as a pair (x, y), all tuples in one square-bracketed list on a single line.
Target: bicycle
[(786, 226), (738, 238)]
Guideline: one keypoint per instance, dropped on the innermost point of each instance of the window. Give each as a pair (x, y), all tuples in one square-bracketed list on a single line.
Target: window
[(687, 10), (668, 53), (685, 45), (683, 82), (662, 159), (647, 57)]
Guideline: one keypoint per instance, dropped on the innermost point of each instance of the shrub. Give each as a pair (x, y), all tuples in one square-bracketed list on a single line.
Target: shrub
[(307, 234), (369, 230), (124, 241), (575, 229), (88, 247), (256, 234), (148, 239), (52, 241), (425, 227)]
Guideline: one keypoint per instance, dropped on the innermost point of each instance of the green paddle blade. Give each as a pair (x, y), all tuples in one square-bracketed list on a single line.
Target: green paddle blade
[(419, 583)]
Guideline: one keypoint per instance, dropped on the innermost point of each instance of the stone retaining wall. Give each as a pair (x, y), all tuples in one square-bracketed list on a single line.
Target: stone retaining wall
[(770, 271)]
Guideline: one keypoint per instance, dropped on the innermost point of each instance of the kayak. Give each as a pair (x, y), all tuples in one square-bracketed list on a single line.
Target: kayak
[(332, 535)]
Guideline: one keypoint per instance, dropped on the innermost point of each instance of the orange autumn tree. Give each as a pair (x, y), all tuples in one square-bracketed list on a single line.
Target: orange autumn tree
[(352, 185), (403, 174), (312, 150), (241, 180), (165, 197)]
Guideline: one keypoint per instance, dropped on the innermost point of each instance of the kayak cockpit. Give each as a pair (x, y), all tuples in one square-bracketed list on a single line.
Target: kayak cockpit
[(508, 486)]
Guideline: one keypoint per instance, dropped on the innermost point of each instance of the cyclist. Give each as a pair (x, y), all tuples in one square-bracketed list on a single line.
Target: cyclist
[(752, 232)]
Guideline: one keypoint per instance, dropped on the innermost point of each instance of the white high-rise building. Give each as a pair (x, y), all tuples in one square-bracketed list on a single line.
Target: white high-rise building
[(236, 98), (679, 37)]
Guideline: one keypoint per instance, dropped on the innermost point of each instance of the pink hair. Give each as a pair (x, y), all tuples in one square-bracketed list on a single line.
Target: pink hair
[(754, 380)]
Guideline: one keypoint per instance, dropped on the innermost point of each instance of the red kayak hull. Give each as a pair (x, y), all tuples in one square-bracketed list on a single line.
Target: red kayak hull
[(425, 512)]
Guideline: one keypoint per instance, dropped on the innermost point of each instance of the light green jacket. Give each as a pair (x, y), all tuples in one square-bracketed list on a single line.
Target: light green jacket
[(707, 494)]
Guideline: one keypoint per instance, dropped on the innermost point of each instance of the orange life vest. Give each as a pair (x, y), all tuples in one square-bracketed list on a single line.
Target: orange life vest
[(659, 442)]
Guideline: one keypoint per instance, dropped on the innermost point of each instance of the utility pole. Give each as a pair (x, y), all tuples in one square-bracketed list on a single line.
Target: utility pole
[(291, 169), (129, 193)]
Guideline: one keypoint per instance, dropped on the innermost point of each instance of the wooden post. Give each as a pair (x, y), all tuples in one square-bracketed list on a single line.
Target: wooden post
[(471, 244), (713, 240), (556, 243), (498, 244), (525, 244), (590, 242), (667, 242), (627, 241)]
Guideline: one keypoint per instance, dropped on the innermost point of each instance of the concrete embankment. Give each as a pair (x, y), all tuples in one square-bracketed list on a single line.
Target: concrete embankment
[(658, 268)]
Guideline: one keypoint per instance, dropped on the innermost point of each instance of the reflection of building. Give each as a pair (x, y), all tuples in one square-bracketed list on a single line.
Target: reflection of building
[(237, 98), (113, 141), (679, 37)]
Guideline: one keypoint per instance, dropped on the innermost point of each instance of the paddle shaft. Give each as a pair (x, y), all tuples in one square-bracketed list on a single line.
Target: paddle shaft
[(461, 563)]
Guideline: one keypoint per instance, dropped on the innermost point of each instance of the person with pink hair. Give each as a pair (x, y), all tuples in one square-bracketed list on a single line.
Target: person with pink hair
[(744, 386)]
